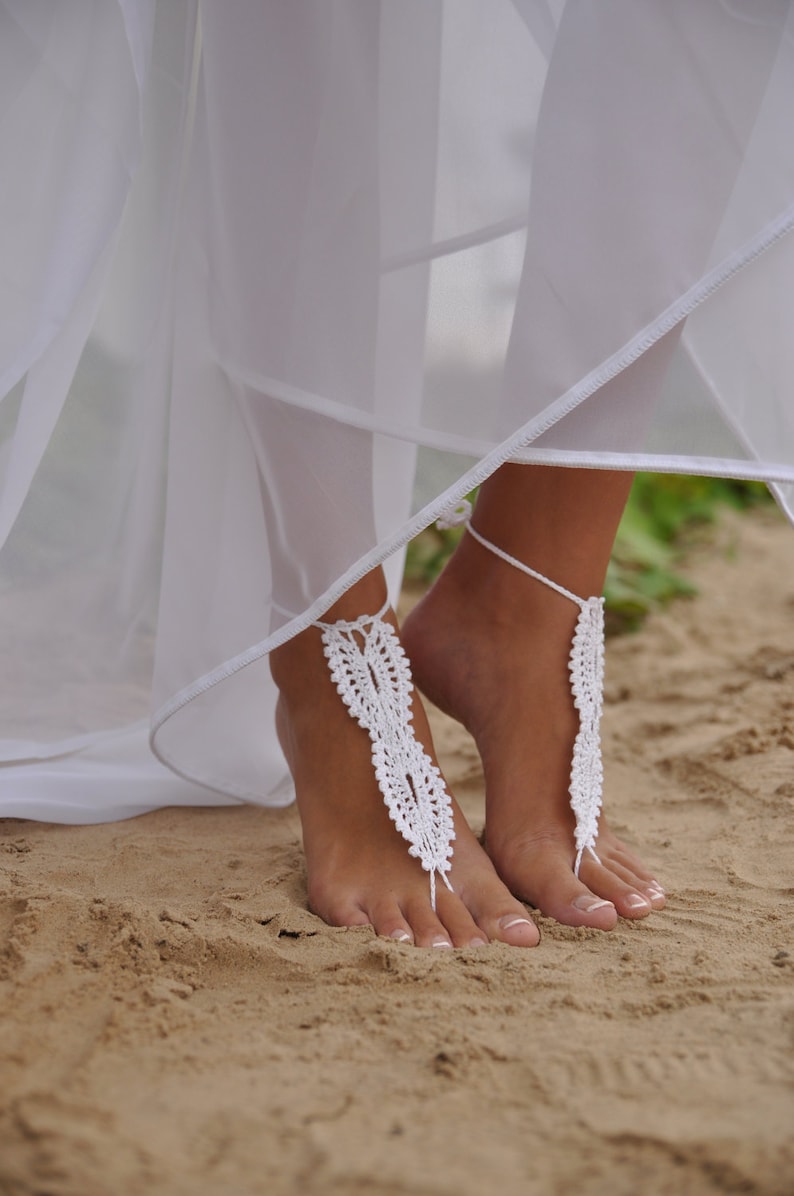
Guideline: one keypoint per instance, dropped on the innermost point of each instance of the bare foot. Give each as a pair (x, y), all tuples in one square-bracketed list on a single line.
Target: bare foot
[(359, 869), (490, 648)]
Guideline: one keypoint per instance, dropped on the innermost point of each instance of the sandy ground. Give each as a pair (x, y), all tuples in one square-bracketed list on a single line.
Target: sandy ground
[(176, 1022)]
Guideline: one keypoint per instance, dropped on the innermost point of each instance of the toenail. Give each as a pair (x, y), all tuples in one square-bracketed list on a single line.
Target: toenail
[(655, 889), (440, 941), (402, 936), (478, 942), (511, 920), (635, 901), (589, 904)]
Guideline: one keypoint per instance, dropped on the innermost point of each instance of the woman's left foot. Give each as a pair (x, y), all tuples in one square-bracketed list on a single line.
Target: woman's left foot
[(490, 648)]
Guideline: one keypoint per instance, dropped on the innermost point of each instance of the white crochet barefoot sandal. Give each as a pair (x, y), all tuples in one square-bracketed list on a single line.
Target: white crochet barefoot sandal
[(586, 667), (371, 673)]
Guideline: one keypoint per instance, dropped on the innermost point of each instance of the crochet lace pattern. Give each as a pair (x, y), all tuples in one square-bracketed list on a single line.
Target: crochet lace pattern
[(371, 673), (586, 668)]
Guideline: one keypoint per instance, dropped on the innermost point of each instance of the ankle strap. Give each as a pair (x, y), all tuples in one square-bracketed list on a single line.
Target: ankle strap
[(511, 560), (359, 624), (461, 517)]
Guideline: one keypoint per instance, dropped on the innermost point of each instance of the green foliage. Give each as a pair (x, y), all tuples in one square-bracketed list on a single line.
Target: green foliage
[(664, 515), (428, 553)]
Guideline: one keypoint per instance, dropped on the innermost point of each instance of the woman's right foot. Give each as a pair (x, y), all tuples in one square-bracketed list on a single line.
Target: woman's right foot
[(359, 869)]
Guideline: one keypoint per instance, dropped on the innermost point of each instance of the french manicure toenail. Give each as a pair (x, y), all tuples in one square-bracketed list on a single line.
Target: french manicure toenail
[(402, 936), (511, 920), (440, 941), (655, 889), (589, 904), (635, 901), (478, 942)]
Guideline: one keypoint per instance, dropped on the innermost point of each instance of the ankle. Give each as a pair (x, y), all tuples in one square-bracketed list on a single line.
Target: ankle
[(482, 590), (477, 587), (294, 664)]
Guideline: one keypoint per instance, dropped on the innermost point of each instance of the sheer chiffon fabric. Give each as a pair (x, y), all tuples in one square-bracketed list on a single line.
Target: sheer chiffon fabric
[(281, 281)]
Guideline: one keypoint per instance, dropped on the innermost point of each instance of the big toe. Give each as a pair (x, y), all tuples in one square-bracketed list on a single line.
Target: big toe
[(515, 929), (546, 880), (502, 918), (576, 905)]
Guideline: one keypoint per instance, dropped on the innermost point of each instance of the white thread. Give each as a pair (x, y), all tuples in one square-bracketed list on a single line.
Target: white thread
[(586, 668), (372, 676)]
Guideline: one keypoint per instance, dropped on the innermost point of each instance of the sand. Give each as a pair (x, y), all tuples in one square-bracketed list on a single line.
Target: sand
[(176, 1022)]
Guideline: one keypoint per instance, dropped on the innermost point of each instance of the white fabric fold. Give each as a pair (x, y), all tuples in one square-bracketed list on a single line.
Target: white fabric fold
[(258, 268)]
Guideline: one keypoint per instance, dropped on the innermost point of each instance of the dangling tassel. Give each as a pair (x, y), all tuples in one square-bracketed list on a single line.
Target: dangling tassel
[(586, 668), (372, 676)]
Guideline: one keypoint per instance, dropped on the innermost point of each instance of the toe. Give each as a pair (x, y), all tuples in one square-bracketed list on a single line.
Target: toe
[(505, 920), (655, 894), (576, 905), (542, 874), (619, 859), (516, 929), (387, 920), (619, 886), (338, 913), (562, 896), (401, 935), (633, 905), (583, 907), (426, 926)]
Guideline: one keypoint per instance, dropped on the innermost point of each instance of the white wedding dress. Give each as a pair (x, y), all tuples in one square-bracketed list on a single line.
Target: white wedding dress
[(280, 281)]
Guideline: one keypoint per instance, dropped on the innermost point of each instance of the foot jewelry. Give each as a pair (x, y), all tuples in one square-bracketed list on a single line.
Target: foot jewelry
[(586, 668), (371, 673)]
